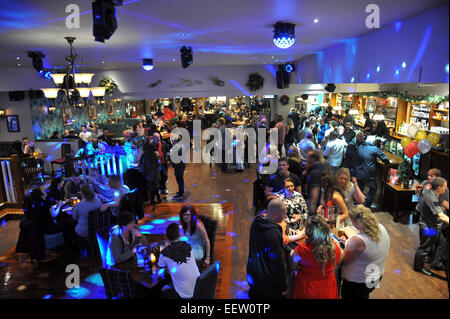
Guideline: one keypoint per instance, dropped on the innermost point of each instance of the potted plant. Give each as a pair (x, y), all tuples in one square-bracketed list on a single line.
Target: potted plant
[(406, 174)]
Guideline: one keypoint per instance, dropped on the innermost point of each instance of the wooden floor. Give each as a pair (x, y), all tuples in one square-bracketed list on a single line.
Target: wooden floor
[(207, 184)]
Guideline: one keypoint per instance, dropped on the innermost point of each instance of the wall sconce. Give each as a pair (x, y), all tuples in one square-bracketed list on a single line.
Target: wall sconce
[(2, 113)]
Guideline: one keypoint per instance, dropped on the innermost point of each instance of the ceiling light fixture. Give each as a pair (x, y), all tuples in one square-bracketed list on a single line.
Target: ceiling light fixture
[(284, 35), (316, 20), (70, 83), (147, 64)]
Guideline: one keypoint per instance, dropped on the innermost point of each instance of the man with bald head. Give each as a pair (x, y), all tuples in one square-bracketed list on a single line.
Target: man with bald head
[(163, 150), (266, 269)]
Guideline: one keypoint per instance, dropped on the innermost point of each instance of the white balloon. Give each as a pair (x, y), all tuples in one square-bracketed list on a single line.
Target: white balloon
[(424, 146), (412, 130)]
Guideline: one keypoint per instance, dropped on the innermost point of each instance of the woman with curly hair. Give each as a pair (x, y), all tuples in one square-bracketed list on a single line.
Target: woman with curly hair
[(319, 256), (349, 189), (365, 255)]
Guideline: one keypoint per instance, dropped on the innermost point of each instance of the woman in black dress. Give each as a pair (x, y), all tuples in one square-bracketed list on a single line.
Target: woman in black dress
[(150, 166)]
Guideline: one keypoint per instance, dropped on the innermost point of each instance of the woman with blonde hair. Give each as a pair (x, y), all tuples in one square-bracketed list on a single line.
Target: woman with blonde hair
[(349, 189), (320, 255), (364, 255)]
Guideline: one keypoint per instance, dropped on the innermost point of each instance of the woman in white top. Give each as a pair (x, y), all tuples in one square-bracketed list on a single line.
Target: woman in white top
[(350, 190), (364, 255)]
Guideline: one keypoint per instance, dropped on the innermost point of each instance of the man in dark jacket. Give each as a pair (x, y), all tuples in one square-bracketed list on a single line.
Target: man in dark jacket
[(266, 269), (293, 115), (360, 159), (162, 148)]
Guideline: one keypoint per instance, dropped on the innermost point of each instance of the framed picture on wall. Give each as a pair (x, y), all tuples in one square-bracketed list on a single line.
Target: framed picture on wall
[(12, 121), (92, 112), (110, 108), (67, 116)]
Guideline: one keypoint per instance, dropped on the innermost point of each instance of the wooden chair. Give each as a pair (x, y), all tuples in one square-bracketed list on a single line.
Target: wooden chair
[(30, 170), (99, 224), (211, 229), (118, 283), (66, 149), (205, 286)]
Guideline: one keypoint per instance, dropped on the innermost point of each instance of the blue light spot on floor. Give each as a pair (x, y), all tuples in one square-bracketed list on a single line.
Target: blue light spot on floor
[(146, 227), (231, 234), (146, 232), (242, 295), (183, 238), (229, 213), (245, 180), (202, 201), (47, 297), (95, 279), (217, 267), (242, 284), (214, 173), (397, 271), (4, 264), (194, 185), (3, 223), (232, 247), (216, 196), (158, 221), (223, 202), (174, 218), (78, 293)]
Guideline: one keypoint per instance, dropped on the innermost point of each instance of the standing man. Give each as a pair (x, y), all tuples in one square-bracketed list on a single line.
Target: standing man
[(266, 269), (163, 150), (224, 124), (293, 115), (314, 174), (369, 125), (360, 159), (276, 182), (431, 220), (178, 169), (334, 152)]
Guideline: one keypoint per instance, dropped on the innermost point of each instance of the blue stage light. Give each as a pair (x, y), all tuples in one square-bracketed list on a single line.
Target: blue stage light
[(284, 35), (289, 68), (147, 64), (378, 68)]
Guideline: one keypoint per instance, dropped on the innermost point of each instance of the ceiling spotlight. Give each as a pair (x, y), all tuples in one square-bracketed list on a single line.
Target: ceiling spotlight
[(147, 64), (330, 87), (105, 21), (186, 57), (46, 74), (316, 20), (37, 57), (284, 35)]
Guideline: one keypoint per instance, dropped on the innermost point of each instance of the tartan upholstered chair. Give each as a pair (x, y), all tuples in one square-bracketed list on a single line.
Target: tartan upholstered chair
[(118, 283)]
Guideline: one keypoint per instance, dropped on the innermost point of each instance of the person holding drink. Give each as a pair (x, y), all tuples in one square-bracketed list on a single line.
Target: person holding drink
[(332, 203)]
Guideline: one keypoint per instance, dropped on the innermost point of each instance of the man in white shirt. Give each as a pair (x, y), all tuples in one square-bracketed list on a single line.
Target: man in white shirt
[(334, 152), (85, 135), (179, 259)]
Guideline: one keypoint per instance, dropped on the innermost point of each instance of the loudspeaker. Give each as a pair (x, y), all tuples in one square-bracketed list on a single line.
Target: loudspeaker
[(35, 94), (280, 80), (105, 22), (16, 95), (330, 87)]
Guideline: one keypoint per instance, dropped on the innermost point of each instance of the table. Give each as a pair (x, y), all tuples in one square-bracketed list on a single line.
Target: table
[(40, 156), (396, 194), (149, 280)]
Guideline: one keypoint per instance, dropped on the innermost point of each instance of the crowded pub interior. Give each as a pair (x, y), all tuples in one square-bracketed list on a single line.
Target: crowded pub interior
[(194, 149)]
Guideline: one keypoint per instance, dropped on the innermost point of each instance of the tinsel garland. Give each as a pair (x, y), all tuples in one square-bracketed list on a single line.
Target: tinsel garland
[(109, 84), (430, 98)]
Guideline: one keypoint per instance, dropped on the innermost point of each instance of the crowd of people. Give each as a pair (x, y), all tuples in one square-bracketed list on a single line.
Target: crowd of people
[(325, 166), (321, 187)]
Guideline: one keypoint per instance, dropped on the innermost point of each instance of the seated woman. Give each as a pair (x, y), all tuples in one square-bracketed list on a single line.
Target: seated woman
[(123, 238), (39, 208), (319, 255), (349, 189), (55, 192), (195, 232), (368, 249), (81, 210), (332, 201)]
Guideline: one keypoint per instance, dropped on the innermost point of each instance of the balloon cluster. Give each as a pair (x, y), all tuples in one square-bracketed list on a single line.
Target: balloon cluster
[(418, 141)]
